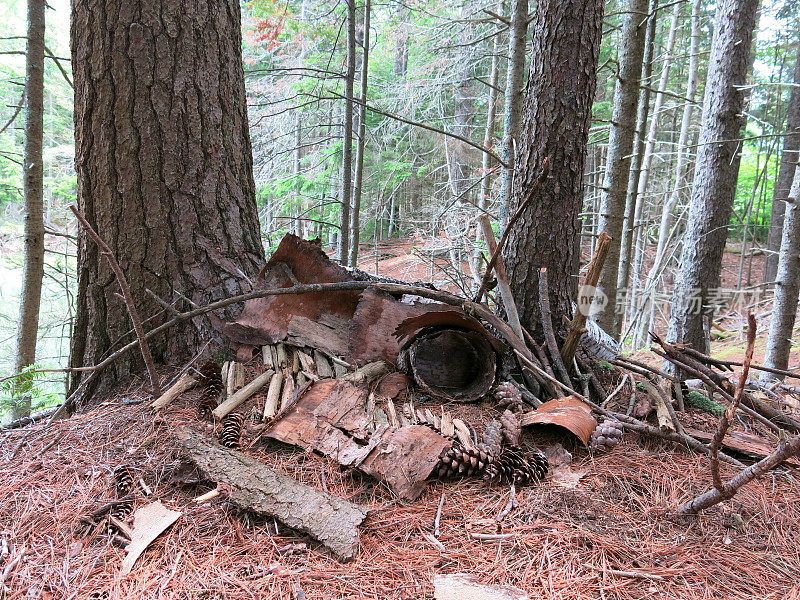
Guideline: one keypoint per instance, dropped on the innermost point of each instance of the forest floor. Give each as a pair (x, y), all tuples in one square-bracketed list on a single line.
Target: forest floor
[(606, 531)]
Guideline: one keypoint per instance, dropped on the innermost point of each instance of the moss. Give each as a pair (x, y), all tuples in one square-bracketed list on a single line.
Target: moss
[(702, 402), (605, 365)]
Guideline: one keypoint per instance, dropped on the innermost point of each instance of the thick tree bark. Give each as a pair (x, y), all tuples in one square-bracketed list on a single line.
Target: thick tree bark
[(164, 169), (716, 172), (556, 117), (30, 298), (515, 79), (347, 135), (789, 158), (362, 141), (787, 289), (620, 148)]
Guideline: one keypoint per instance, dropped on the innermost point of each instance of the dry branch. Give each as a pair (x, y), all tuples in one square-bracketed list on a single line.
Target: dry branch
[(502, 277), (547, 327), (185, 382), (255, 487), (128, 298), (243, 394)]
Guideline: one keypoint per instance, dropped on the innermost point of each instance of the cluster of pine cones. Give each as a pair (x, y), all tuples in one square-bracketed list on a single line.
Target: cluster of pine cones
[(606, 435), (495, 461)]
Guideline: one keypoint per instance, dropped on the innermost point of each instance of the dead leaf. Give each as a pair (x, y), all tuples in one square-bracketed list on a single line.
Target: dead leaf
[(148, 523)]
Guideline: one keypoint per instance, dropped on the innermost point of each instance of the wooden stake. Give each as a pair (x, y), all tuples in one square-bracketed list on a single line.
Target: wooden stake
[(243, 394), (273, 396), (185, 382), (577, 327)]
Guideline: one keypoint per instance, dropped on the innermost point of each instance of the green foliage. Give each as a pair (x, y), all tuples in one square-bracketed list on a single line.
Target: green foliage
[(26, 384), (702, 402)]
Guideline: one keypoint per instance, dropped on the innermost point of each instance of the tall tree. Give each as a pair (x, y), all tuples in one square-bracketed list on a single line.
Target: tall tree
[(355, 225), (556, 117), (620, 147), (789, 158), (164, 167), (30, 298), (716, 172), (347, 135), (515, 80), (787, 289)]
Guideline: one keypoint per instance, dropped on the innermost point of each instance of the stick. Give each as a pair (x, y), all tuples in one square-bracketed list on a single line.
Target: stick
[(502, 277), (128, 297), (186, 381), (510, 505), (273, 396), (547, 326), (243, 394), (528, 199), (438, 517), (578, 324), (727, 415)]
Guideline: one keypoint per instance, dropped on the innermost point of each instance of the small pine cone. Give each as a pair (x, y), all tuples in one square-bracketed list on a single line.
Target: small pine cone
[(123, 481), (492, 440), (606, 435), (231, 430), (210, 379), (463, 462), (122, 508), (511, 427), (515, 465), (509, 396)]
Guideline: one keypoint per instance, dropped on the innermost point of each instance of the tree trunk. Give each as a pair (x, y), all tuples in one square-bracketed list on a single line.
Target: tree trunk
[(636, 164), (789, 158), (787, 289), (515, 79), (401, 41), (716, 172), (165, 171), (297, 155), (347, 136), (362, 141), (620, 149), (556, 117), (30, 298), (680, 168)]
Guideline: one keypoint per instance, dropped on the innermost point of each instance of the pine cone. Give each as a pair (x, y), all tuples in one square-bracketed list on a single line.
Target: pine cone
[(231, 430), (464, 462), (492, 441), (511, 427), (515, 465), (210, 379), (123, 481), (121, 508), (509, 396), (606, 435), (427, 418)]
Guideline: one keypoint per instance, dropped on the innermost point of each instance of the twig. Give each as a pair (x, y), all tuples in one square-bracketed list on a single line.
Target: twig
[(126, 292), (547, 327), (727, 415), (616, 391), (578, 324), (10, 567), (510, 505), (633, 574), (491, 537), (438, 516), (529, 195)]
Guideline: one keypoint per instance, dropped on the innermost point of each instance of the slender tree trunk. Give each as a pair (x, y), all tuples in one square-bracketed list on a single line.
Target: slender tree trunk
[(362, 141), (165, 171), (401, 42), (789, 158), (297, 156), (33, 190), (515, 80), (787, 289), (620, 149), (556, 118), (680, 168), (639, 226), (636, 164), (347, 135), (716, 172)]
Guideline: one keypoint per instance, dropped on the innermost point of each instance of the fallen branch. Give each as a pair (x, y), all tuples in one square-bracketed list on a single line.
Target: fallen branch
[(243, 394), (502, 277), (547, 327), (128, 298), (529, 195), (578, 325), (257, 488)]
